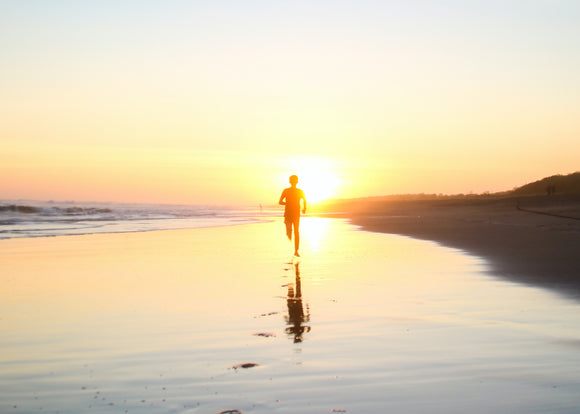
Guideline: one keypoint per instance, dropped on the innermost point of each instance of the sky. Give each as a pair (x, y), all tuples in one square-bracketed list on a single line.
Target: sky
[(218, 102)]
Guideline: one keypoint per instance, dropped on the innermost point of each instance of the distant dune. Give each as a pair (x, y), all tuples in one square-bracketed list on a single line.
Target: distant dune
[(556, 184), (561, 185)]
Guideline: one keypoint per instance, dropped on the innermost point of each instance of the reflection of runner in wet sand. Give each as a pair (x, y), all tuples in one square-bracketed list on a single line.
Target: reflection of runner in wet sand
[(296, 316), (290, 199)]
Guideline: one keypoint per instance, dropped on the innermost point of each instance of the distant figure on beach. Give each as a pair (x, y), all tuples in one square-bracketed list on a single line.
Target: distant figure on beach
[(290, 199)]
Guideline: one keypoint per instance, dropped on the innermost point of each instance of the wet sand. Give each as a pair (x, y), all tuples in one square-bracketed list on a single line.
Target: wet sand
[(533, 240), (213, 320)]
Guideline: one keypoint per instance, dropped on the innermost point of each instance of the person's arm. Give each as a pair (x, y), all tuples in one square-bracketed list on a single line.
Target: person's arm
[(304, 201), (282, 197)]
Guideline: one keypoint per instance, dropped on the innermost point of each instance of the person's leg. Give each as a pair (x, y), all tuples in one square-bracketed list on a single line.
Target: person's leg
[(288, 224), (296, 236)]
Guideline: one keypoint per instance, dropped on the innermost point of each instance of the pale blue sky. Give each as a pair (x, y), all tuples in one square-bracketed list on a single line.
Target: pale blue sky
[(414, 96)]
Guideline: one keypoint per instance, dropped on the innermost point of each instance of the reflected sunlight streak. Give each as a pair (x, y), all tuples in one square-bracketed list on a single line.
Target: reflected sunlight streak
[(315, 230)]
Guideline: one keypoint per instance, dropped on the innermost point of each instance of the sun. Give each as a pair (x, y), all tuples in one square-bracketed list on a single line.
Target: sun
[(317, 177), (318, 186)]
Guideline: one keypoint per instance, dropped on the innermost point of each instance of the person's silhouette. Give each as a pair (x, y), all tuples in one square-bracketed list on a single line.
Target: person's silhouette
[(296, 318), (290, 199)]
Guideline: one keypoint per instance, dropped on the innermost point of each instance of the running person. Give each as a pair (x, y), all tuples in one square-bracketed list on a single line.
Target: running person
[(290, 199)]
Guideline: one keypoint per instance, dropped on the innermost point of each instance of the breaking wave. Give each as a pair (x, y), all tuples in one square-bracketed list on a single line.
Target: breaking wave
[(41, 219), (53, 211)]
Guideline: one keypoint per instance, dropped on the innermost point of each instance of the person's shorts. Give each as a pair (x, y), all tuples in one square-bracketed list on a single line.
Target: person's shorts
[(292, 219)]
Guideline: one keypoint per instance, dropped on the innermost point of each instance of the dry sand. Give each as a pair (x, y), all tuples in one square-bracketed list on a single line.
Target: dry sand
[(534, 240)]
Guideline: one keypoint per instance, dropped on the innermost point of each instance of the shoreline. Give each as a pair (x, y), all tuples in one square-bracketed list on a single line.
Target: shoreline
[(532, 240), (255, 220)]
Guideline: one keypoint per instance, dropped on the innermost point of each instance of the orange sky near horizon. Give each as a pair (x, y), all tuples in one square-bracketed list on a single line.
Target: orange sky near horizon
[(219, 102)]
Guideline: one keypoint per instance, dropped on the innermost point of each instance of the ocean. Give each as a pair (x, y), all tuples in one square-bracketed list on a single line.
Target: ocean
[(50, 218)]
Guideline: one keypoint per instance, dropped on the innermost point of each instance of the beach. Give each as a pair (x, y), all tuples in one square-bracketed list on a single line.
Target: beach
[(533, 240), (224, 319), (158, 158)]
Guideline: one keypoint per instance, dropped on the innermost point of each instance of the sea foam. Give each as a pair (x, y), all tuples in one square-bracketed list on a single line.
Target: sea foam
[(42, 219)]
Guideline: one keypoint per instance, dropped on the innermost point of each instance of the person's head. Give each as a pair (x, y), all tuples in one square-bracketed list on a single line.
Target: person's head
[(293, 179)]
